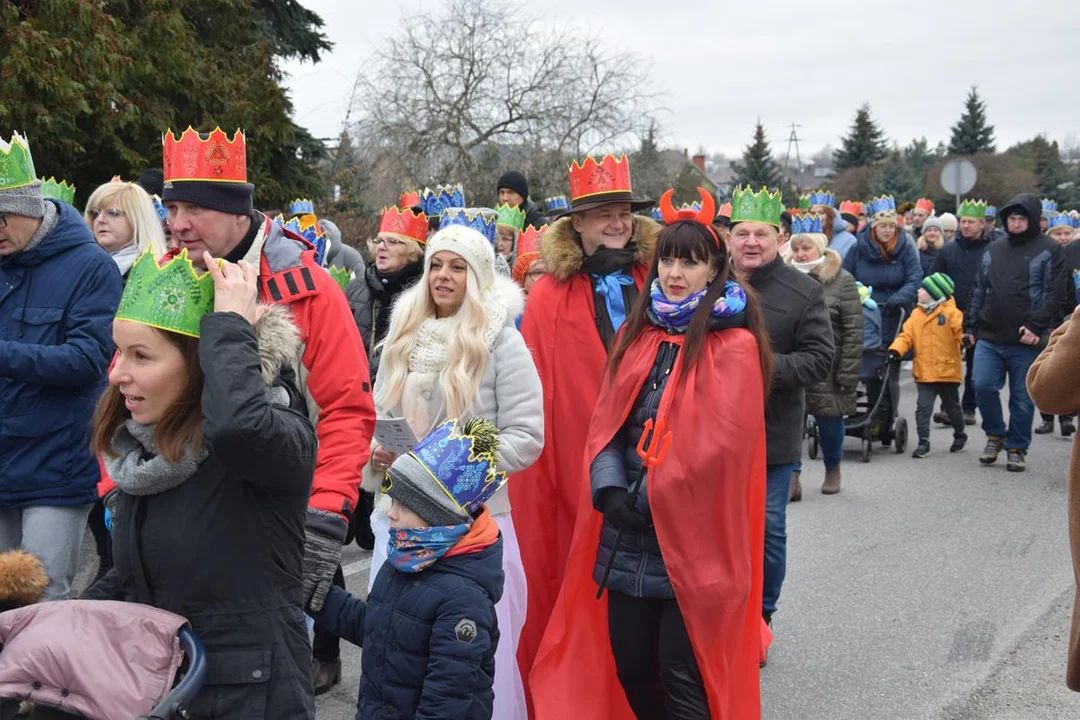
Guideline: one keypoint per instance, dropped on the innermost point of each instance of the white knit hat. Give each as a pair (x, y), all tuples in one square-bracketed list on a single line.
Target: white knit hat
[(470, 245)]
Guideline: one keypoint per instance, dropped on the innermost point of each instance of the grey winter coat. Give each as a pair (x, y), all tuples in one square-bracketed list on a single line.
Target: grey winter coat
[(340, 254), (797, 321), (510, 395), (835, 395)]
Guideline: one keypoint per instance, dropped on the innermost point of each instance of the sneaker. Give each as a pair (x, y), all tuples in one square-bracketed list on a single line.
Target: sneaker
[(993, 448), (1046, 428), (1068, 427), (941, 418), (969, 418), (958, 443), (1017, 461), (922, 451)]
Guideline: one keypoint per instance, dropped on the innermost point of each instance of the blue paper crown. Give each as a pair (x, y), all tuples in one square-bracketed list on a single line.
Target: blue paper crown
[(481, 220), (1060, 220), (656, 215), (468, 476), (161, 210), (822, 197), (1049, 207), (885, 203), (807, 224), (301, 206), (441, 198), (692, 207), (314, 234), (991, 211), (557, 203), (1076, 222)]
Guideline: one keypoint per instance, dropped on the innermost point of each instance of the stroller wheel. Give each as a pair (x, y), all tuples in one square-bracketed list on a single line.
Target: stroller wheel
[(815, 442), (867, 449), (900, 435)]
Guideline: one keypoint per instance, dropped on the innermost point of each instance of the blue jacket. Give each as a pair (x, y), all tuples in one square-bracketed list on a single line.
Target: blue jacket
[(842, 241), (429, 638), (57, 303), (895, 282)]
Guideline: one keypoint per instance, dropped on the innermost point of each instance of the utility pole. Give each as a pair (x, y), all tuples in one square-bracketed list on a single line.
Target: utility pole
[(793, 140)]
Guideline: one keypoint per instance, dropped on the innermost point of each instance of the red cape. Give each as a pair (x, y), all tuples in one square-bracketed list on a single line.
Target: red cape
[(560, 328), (708, 505)]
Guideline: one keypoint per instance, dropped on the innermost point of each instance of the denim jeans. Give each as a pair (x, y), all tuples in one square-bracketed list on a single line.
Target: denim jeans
[(777, 484), (831, 439), (993, 363), (54, 534)]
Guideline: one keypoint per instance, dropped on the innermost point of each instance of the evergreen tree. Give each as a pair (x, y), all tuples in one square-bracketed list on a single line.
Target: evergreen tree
[(757, 169), (111, 77), (650, 174), (350, 176), (920, 160), (1043, 157), (972, 134), (864, 145), (894, 176)]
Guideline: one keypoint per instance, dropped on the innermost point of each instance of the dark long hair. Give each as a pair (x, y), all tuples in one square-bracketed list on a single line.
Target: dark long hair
[(687, 240)]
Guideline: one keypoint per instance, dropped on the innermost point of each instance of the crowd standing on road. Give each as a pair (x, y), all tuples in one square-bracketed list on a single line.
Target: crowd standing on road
[(257, 393)]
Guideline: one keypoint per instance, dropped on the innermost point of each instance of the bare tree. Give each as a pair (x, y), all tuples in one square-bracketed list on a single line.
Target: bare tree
[(445, 89)]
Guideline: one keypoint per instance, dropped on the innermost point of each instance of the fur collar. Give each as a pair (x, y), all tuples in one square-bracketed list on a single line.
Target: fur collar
[(827, 271), (561, 247), (279, 342)]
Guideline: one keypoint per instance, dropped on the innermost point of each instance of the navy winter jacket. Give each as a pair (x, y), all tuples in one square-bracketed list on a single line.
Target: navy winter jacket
[(57, 303), (895, 282), (1021, 281), (429, 638)]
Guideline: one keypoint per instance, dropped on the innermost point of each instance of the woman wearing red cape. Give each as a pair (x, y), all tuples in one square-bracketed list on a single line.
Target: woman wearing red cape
[(679, 633)]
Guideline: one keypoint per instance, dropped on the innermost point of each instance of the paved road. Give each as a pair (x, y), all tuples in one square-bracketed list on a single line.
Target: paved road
[(929, 588)]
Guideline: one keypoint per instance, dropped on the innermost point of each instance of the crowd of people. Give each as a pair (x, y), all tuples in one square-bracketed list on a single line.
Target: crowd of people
[(517, 413)]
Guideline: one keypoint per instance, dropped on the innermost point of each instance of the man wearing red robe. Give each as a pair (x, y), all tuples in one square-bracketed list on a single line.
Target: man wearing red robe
[(597, 256)]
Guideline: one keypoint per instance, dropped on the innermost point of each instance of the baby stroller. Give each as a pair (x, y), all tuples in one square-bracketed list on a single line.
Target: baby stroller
[(97, 660), (877, 398)]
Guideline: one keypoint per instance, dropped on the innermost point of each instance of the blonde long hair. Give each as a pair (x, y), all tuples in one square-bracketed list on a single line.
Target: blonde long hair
[(138, 209), (467, 356)]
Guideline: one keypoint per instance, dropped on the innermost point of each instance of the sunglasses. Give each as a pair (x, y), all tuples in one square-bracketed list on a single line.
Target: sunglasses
[(112, 213)]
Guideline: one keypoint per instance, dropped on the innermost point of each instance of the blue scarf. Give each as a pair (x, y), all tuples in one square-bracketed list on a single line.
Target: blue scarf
[(676, 316), (414, 549), (611, 286)]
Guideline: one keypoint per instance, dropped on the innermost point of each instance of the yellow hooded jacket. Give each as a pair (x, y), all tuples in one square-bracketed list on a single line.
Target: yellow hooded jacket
[(936, 339)]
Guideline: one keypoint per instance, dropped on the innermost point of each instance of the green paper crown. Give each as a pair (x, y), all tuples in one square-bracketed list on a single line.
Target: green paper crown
[(972, 209), (171, 297), (510, 216), (762, 206), (60, 190), (343, 276), (16, 163), (804, 202)]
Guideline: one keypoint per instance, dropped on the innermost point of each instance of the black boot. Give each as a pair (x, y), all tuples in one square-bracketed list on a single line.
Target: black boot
[(1068, 426), (1046, 428)]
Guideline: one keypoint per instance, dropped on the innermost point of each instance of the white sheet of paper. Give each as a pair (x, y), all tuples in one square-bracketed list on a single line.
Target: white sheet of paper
[(395, 435)]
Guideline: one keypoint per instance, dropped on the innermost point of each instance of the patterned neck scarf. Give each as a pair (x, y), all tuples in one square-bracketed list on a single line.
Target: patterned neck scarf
[(676, 316), (414, 549)]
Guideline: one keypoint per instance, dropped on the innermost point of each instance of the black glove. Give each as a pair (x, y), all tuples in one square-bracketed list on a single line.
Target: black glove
[(893, 357), (619, 512), (324, 535)]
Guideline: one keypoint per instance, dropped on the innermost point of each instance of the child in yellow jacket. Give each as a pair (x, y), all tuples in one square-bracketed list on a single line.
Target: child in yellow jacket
[(934, 331)]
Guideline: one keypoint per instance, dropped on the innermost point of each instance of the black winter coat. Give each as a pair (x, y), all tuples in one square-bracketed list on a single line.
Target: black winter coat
[(1021, 281), (429, 638), (225, 548), (835, 395), (960, 260), (534, 215), (797, 321), (371, 297)]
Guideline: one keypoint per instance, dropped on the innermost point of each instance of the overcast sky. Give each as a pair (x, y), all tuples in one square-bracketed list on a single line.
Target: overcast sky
[(723, 64)]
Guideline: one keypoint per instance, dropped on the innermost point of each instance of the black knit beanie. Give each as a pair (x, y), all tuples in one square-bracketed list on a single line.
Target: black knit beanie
[(227, 197), (513, 180), (150, 180)]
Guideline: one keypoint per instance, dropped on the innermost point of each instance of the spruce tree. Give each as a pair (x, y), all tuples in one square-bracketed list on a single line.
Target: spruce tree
[(757, 169), (651, 176), (864, 145), (895, 176), (972, 134)]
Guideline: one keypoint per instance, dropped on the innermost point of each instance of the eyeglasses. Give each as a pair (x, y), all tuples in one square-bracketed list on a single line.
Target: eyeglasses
[(535, 274), (111, 213), (388, 242), (3, 220)]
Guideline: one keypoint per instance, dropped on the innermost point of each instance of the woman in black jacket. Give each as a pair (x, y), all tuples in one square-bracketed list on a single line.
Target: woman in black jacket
[(213, 466)]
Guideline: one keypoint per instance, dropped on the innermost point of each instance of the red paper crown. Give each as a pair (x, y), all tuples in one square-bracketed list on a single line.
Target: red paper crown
[(529, 240), (214, 159), (850, 207), (410, 199), (725, 211), (608, 177), (925, 204), (405, 224)]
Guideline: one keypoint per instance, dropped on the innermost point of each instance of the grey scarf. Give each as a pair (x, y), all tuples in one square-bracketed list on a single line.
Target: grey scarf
[(139, 470)]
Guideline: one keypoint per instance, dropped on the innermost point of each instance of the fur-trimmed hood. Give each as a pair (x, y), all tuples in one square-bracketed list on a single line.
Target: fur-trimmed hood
[(279, 342), (22, 579), (827, 271), (561, 248)]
